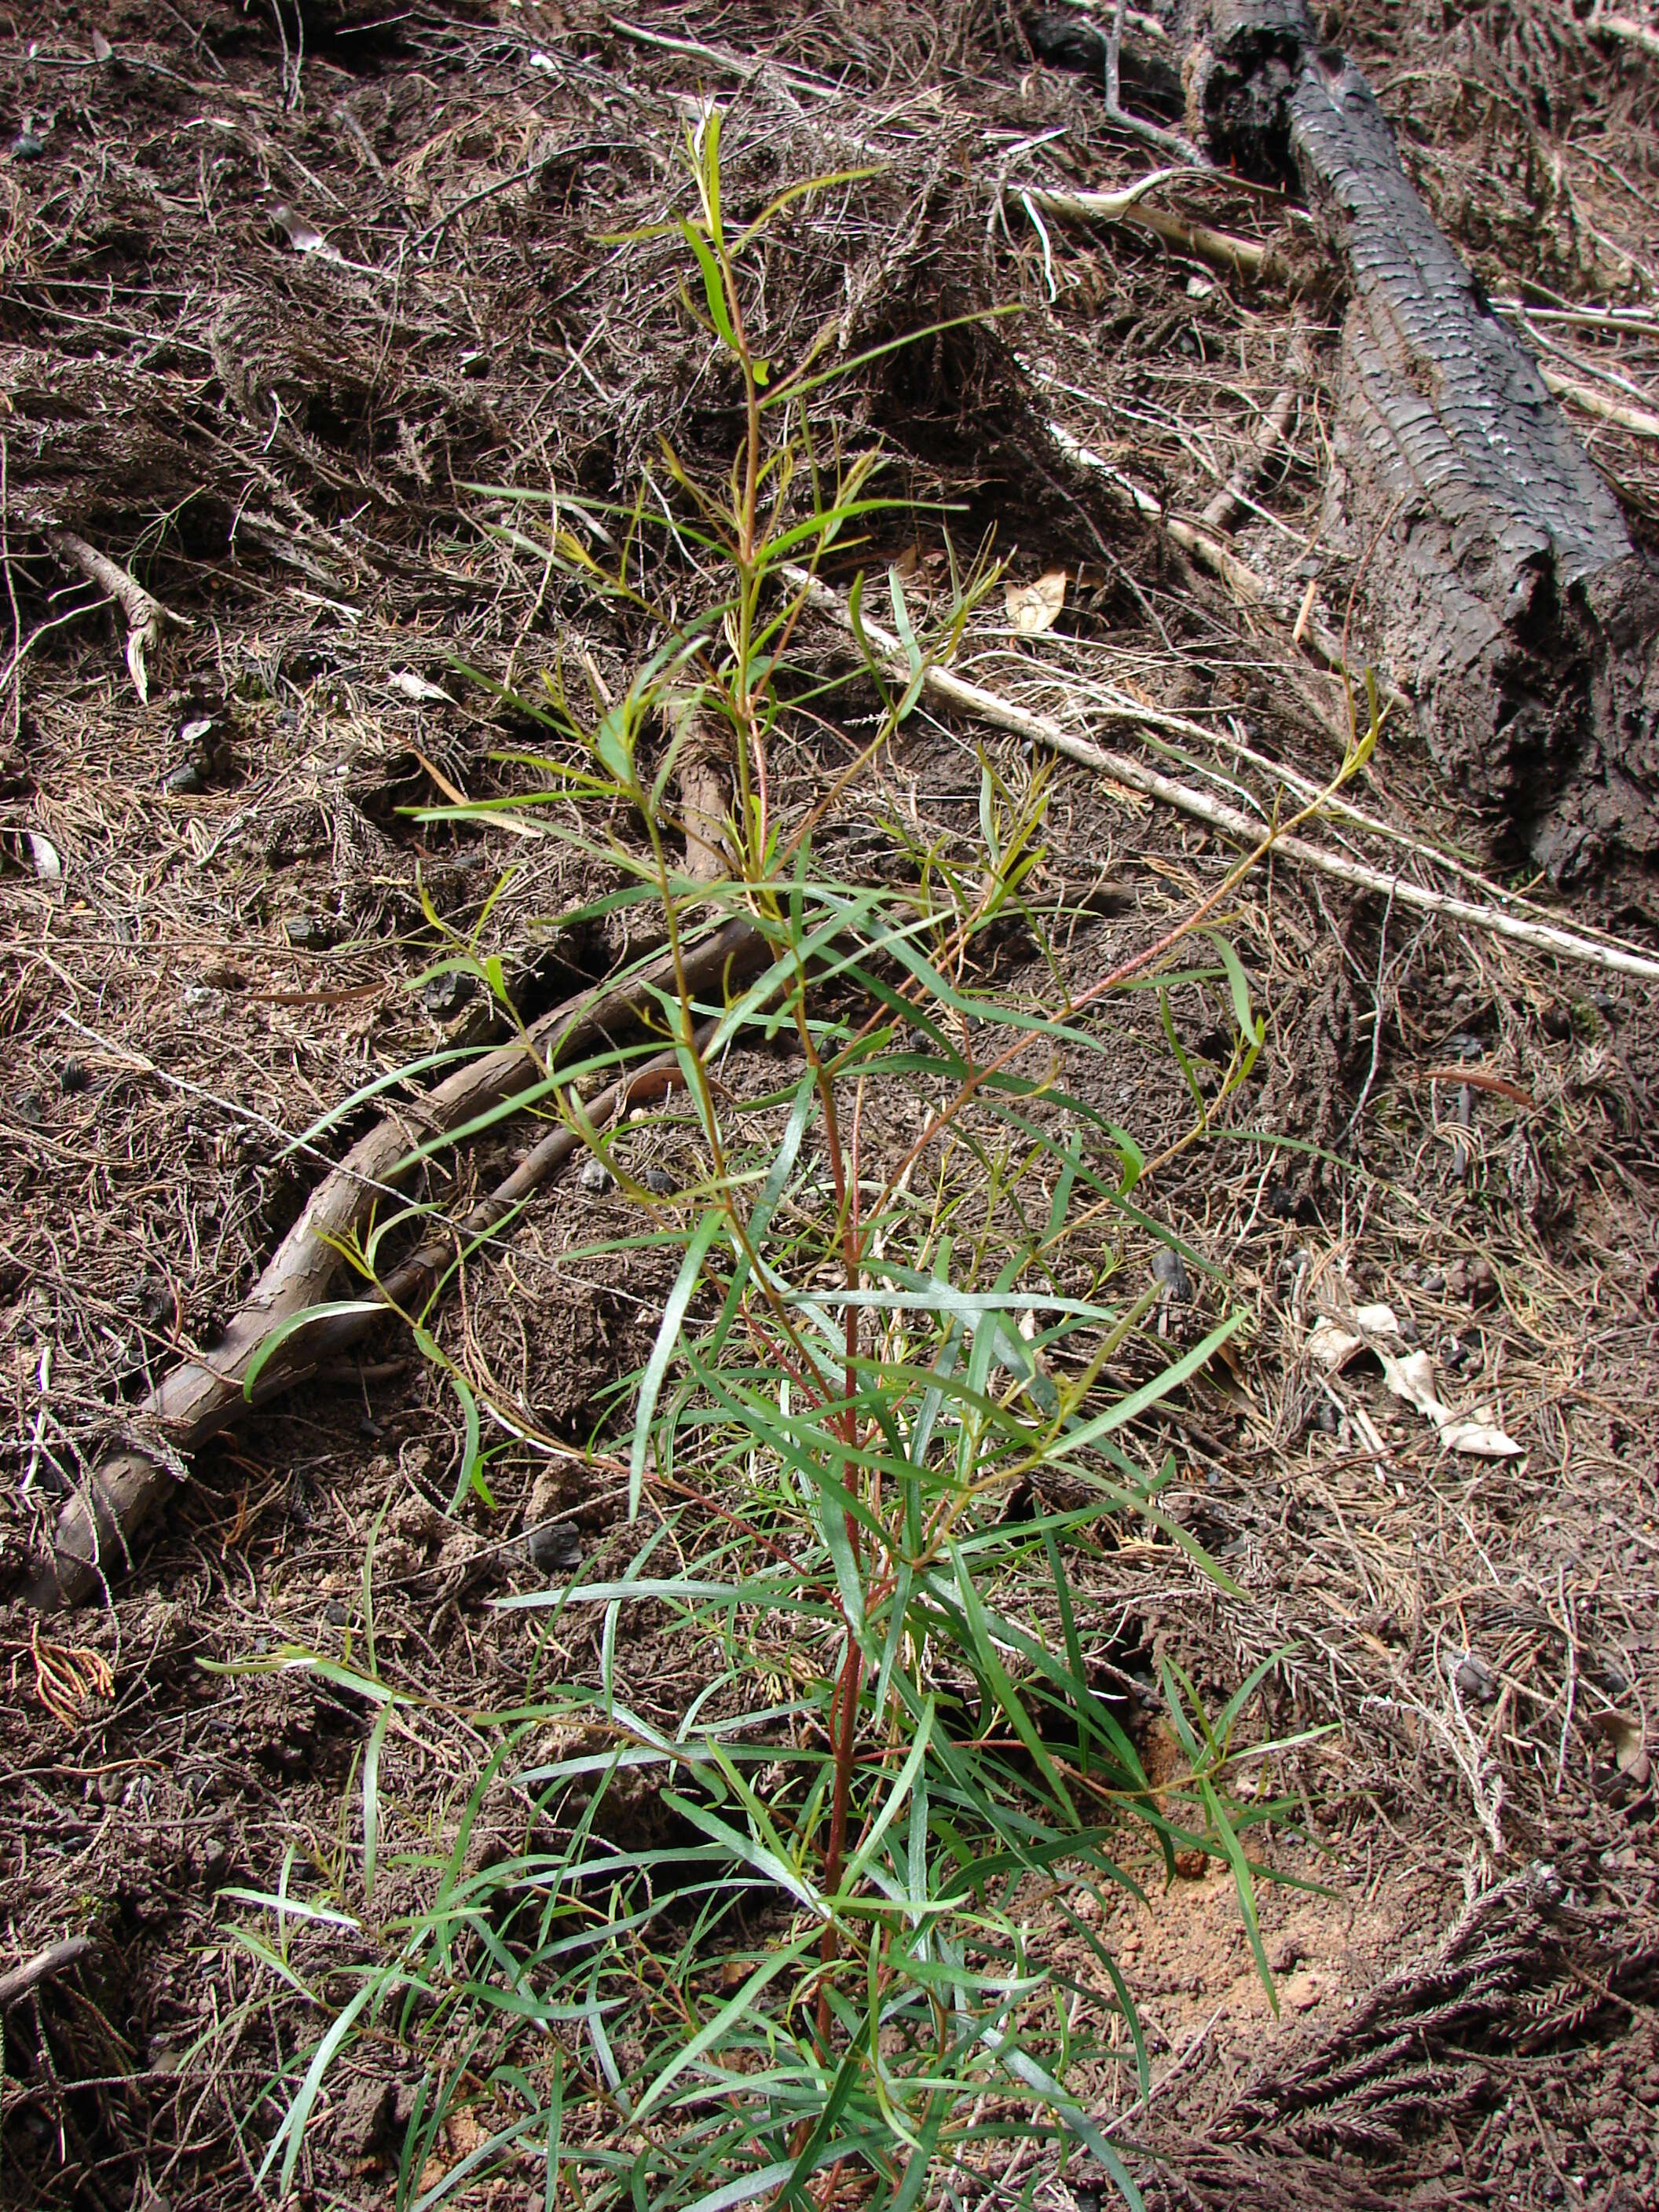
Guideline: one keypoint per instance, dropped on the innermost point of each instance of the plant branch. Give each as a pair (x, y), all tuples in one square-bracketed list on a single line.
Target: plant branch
[(952, 691)]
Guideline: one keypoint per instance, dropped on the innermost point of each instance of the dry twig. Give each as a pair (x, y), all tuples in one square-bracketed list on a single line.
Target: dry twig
[(952, 691), (94, 1531), (145, 614)]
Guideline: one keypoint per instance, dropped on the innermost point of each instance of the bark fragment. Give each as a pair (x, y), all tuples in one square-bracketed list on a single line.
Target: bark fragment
[(1500, 583)]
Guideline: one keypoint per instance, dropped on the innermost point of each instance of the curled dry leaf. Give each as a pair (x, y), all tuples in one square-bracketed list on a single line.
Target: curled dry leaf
[(417, 687), (1033, 608), (1627, 1739), (48, 863), (1413, 1379), (304, 237), (1478, 1435), (1334, 1342)]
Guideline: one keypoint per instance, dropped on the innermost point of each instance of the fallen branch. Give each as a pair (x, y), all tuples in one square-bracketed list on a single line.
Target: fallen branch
[(1534, 660), (1638, 420), (144, 614), (56, 1958), (94, 1531), (1223, 510), (1261, 264), (412, 1283), (1536, 667), (704, 784), (1003, 714), (1247, 586), (1634, 33), (1126, 209)]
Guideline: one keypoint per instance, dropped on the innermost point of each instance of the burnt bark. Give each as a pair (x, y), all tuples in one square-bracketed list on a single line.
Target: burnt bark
[(1499, 581)]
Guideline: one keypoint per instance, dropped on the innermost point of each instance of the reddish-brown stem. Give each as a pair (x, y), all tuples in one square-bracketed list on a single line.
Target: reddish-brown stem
[(844, 1719), (812, 1396), (722, 1513), (977, 1077)]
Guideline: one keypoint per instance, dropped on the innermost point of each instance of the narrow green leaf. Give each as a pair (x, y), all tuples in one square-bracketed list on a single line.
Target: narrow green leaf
[(289, 2137), (1182, 1060), (271, 1345), (901, 622), (372, 1796), (663, 1351), (471, 1474), (713, 286), (893, 1800), (796, 387), (997, 1681), (753, 1853), (1250, 1025), (1245, 1884), (1171, 1378)]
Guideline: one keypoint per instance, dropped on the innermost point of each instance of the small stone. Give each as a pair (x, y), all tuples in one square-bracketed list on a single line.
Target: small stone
[(363, 2117), (1434, 1282), (595, 1177), (554, 1547), (185, 780), (1168, 1270), (417, 1520), (659, 1181), (1327, 1416), (444, 996), (1474, 1679), (1302, 1992), (1557, 1021), (335, 1614), (73, 1074), (27, 146), (308, 933)]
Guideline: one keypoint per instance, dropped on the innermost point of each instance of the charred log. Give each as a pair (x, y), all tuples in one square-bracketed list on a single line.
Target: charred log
[(1499, 582)]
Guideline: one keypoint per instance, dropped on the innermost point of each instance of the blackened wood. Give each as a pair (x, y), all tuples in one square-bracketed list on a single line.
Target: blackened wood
[(1499, 581), (1147, 75)]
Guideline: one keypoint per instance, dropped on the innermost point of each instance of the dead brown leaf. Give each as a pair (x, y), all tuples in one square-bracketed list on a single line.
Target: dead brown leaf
[(1033, 608)]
